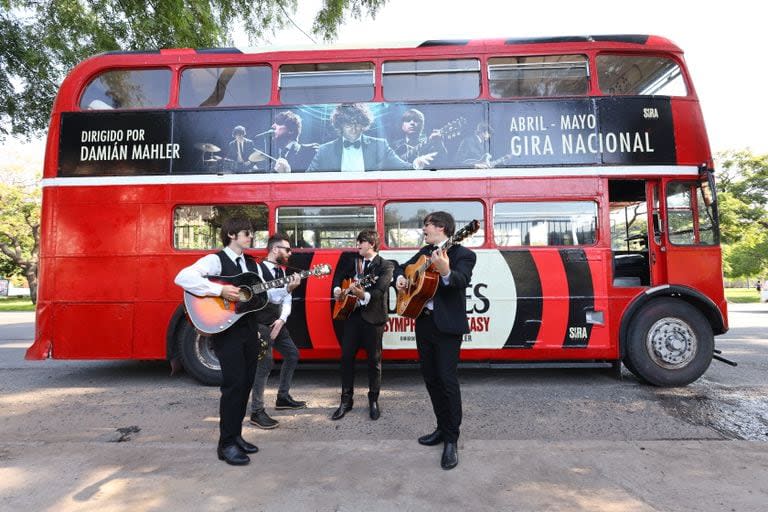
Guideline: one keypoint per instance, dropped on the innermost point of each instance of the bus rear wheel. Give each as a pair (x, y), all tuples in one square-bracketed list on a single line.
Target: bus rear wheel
[(670, 343), (198, 357)]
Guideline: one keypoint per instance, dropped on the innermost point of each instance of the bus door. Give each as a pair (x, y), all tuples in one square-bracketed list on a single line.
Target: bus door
[(636, 238), (691, 250), (656, 245)]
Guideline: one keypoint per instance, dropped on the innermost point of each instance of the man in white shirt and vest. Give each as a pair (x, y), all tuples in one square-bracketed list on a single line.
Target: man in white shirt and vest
[(238, 347), (272, 320)]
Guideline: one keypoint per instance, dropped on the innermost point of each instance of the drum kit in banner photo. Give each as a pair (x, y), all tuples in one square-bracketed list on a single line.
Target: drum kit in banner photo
[(213, 163)]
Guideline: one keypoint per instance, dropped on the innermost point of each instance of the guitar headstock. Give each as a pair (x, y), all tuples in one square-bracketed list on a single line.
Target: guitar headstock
[(454, 128), (468, 230), (320, 270)]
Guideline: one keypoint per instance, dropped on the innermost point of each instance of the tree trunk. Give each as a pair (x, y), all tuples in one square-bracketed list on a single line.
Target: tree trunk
[(32, 280)]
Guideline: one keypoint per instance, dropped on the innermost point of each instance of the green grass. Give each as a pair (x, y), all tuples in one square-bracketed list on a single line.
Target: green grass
[(16, 304), (742, 295)]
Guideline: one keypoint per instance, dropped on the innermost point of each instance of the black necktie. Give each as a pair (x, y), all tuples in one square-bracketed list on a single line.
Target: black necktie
[(237, 262), (278, 272), (355, 144), (365, 266)]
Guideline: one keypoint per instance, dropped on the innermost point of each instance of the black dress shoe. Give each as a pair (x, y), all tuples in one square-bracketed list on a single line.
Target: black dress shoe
[(373, 405), (286, 402), (450, 456), (246, 446), (343, 409), (232, 454), (432, 439), (261, 419), (375, 412)]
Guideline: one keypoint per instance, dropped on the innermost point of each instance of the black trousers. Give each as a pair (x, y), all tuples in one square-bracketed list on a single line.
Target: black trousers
[(439, 359), (360, 334), (238, 351)]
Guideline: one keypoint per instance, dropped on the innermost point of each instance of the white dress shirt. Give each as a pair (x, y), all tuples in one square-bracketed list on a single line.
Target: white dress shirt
[(352, 158), (430, 305)]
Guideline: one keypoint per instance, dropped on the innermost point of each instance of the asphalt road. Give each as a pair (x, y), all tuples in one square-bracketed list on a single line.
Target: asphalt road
[(124, 435)]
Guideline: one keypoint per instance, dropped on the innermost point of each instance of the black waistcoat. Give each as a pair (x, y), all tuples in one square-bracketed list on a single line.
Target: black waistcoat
[(228, 268)]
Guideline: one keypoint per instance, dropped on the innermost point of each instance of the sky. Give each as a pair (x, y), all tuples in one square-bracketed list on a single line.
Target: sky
[(723, 45)]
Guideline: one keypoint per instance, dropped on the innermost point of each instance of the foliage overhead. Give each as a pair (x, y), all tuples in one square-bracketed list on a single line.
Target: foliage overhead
[(43, 39)]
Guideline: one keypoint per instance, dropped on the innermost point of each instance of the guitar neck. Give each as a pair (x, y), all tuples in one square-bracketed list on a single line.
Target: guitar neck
[(279, 282)]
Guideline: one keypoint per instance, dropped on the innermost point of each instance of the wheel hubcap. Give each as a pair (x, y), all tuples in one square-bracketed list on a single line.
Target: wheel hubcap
[(671, 343), (205, 354)]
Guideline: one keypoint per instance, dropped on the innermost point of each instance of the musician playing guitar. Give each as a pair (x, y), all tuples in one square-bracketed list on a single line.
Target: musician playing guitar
[(440, 328), (365, 325), (414, 143), (272, 320), (473, 151), (238, 347)]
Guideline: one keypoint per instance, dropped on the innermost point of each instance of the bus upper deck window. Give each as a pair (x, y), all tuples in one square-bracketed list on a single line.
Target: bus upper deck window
[(326, 83), (536, 76), (431, 79), (125, 89), (225, 86), (634, 75)]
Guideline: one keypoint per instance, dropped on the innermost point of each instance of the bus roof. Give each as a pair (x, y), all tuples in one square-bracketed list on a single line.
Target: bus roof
[(499, 44)]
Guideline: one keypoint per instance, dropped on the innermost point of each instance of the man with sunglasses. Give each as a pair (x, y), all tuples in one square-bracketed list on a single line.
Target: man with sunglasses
[(272, 327), (365, 325), (237, 347)]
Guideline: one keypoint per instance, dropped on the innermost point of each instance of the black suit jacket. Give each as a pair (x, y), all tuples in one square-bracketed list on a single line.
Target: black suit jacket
[(299, 156), (377, 156), (376, 311), (450, 300)]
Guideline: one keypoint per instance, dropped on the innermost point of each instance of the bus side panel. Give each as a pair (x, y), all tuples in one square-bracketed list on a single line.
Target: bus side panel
[(698, 267), (600, 335), (92, 279), (93, 331), (691, 141), (555, 300), (149, 328), (155, 225), (96, 229)]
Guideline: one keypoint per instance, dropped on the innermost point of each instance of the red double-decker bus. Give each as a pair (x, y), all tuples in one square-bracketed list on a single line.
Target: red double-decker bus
[(585, 160)]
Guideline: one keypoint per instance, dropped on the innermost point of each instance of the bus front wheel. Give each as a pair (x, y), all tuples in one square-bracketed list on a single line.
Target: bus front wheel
[(198, 357), (670, 343)]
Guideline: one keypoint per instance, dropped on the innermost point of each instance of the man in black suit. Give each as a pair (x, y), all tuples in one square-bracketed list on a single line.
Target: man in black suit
[(365, 325), (239, 149), (473, 151), (440, 328), (238, 348), (355, 152), (292, 156)]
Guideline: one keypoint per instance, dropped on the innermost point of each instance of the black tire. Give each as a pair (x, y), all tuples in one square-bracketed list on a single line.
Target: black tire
[(197, 355), (670, 343)]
